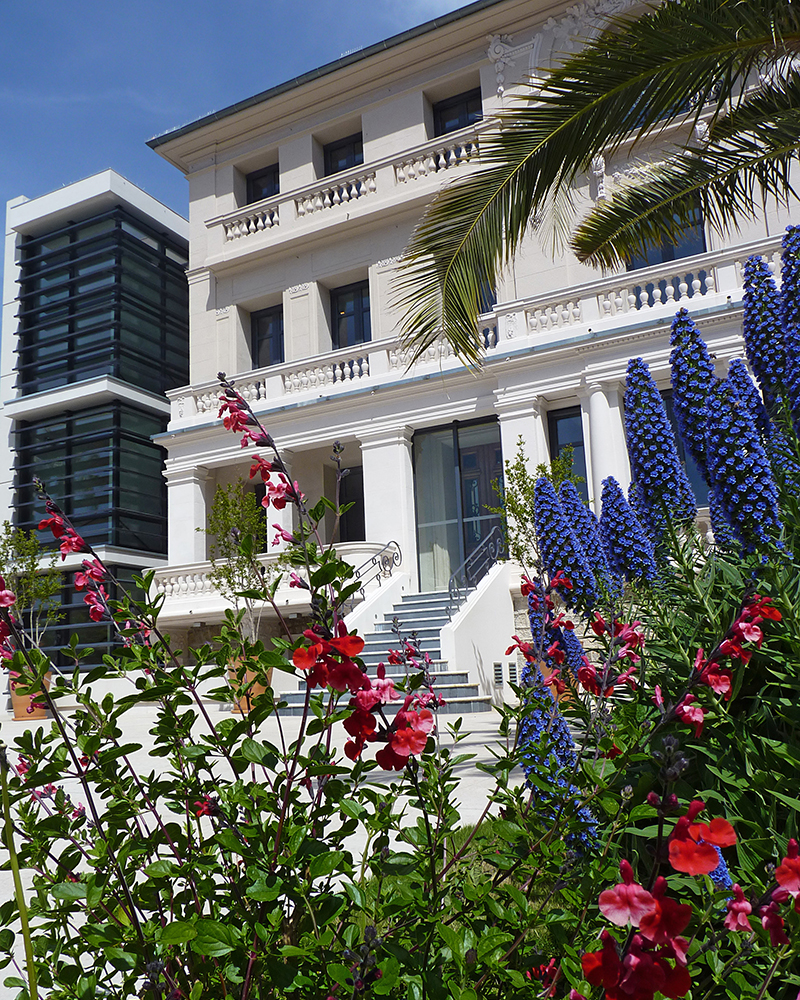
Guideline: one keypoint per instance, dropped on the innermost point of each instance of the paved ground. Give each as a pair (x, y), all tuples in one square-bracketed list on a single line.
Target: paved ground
[(481, 735)]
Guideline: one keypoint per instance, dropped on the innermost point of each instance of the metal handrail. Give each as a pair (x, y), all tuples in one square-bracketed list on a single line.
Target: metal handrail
[(474, 568), (378, 567)]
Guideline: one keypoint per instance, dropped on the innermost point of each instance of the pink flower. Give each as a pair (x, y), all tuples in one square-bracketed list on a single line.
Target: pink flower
[(261, 467), (627, 902), (71, 542), (283, 536), (738, 910), (7, 597), (691, 714), (296, 581), (92, 570), (658, 698)]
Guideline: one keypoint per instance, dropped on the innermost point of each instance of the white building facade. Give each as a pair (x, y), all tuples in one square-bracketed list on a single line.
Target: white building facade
[(301, 201)]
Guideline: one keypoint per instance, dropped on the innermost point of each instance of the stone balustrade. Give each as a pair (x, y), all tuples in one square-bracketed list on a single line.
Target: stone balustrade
[(193, 582), (255, 220), (443, 156), (338, 193), (609, 303)]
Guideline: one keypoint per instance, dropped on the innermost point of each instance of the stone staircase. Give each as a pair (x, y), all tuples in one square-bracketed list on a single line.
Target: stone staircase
[(424, 615)]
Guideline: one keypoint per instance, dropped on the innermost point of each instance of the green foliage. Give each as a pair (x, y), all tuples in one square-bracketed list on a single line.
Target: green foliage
[(237, 527), (516, 499), (249, 857), (32, 574)]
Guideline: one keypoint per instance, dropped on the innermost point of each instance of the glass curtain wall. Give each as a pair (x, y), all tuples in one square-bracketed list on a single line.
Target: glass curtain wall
[(454, 468)]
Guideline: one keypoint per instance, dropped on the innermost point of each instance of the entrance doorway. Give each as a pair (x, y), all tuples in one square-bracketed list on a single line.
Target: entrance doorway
[(454, 468)]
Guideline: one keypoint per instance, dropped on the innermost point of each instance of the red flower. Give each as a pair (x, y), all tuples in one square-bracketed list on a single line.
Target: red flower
[(772, 922), (93, 570), (738, 910), (628, 902), (261, 467), (55, 524), (598, 624), (691, 714), (691, 847), (525, 648), (206, 807), (666, 920), (788, 873), (527, 587), (7, 597), (603, 968), (560, 580)]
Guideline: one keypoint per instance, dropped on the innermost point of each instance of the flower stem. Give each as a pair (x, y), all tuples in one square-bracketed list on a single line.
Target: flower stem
[(18, 892)]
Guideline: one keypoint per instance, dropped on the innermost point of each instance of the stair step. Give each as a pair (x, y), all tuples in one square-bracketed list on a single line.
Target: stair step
[(462, 705), (413, 623)]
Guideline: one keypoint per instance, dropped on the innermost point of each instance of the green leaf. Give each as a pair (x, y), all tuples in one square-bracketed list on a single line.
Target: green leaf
[(178, 932), (68, 890), (213, 938), (324, 864), (159, 868)]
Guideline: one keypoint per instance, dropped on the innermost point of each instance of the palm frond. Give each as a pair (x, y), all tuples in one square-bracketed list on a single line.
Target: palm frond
[(748, 157), (630, 82)]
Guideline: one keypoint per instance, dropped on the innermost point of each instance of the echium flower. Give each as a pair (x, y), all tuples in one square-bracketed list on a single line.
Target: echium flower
[(745, 388), (783, 460), (692, 377), (547, 750), (740, 470), (655, 466), (724, 537), (790, 316), (761, 326), (560, 549), (629, 551), (575, 654), (584, 526)]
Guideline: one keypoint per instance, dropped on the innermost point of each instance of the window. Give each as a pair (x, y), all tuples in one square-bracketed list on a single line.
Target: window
[(266, 329), (263, 183), (696, 481), (350, 322), (103, 468), (565, 430), (690, 240), (457, 112), (107, 296), (351, 491), (344, 154)]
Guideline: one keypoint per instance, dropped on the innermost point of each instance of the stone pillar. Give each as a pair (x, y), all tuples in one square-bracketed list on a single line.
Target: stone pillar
[(187, 507), (522, 416), (606, 454), (389, 510)]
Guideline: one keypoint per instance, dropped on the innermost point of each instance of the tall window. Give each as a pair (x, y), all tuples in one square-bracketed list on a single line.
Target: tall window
[(690, 240), (344, 154), (266, 329), (457, 112), (263, 183), (696, 481), (565, 429), (350, 322)]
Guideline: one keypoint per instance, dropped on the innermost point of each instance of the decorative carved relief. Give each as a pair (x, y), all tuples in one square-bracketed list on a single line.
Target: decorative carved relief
[(387, 262), (296, 289), (599, 175)]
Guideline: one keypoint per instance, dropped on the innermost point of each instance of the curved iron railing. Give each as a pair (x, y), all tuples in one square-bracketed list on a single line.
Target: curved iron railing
[(378, 567), (474, 568)]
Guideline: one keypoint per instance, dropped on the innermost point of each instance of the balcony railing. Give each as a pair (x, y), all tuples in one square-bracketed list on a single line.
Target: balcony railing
[(380, 176), (650, 294)]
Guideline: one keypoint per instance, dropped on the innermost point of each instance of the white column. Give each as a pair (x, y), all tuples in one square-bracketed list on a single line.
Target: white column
[(389, 492), (187, 507), (607, 453), (523, 418)]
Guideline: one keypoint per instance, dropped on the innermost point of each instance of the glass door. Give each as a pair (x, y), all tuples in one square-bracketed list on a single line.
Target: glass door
[(453, 472)]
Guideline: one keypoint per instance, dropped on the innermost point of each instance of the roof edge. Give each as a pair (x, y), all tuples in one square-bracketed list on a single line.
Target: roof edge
[(321, 71)]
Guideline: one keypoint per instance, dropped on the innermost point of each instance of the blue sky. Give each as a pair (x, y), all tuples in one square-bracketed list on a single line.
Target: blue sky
[(84, 84)]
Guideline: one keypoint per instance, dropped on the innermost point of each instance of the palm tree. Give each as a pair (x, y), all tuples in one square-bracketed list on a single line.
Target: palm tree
[(724, 69)]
